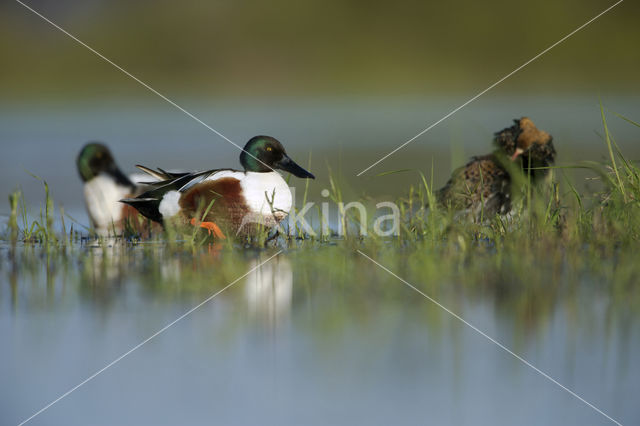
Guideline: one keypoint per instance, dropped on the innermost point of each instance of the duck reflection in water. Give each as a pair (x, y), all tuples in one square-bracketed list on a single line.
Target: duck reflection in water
[(269, 290)]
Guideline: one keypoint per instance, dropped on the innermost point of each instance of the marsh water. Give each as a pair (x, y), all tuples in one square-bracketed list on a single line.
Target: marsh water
[(318, 334), (314, 336)]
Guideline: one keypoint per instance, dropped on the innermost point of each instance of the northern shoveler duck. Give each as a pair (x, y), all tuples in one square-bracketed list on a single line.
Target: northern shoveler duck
[(482, 188), (226, 197), (104, 186)]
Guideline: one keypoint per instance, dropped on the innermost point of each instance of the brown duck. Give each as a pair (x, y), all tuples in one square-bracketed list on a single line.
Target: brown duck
[(482, 188)]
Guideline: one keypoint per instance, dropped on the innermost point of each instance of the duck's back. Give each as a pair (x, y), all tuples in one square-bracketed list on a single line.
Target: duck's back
[(481, 188)]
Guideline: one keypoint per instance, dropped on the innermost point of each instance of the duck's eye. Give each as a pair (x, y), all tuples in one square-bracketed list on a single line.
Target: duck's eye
[(269, 149)]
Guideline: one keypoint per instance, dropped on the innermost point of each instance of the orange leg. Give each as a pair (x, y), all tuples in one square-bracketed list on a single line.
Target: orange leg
[(211, 227)]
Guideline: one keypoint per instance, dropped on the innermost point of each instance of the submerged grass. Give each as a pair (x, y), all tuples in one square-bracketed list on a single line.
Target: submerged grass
[(40, 230)]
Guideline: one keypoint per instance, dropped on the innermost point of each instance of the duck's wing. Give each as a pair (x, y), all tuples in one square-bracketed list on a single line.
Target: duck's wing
[(480, 184), (148, 203), (160, 174)]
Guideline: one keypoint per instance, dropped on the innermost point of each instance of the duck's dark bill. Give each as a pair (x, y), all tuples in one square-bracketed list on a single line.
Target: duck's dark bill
[(288, 165)]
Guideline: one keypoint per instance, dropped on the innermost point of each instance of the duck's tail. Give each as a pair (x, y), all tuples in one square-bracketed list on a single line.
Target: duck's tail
[(148, 207)]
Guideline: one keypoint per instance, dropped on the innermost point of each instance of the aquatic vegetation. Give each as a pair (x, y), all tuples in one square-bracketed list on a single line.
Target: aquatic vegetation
[(561, 268), (542, 213), (554, 215), (556, 241), (40, 230)]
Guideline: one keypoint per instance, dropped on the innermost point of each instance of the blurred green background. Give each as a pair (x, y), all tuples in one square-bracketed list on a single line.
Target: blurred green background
[(343, 47)]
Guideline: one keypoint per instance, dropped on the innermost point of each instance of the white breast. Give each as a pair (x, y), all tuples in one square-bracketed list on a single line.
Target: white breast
[(267, 194), (102, 196)]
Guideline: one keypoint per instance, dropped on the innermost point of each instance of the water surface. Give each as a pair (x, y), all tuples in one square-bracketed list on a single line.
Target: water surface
[(314, 336)]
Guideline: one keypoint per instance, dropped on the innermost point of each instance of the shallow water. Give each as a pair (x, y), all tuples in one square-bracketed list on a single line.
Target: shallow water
[(319, 334), (314, 336)]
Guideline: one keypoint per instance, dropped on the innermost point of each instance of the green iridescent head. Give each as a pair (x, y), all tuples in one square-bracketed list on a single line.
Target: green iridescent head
[(263, 154), (95, 159)]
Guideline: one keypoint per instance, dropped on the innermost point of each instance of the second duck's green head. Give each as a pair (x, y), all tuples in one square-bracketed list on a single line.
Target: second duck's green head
[(95, 159), (263, 154)]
